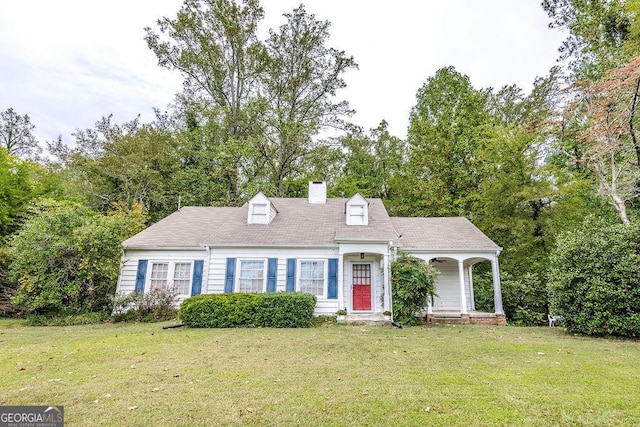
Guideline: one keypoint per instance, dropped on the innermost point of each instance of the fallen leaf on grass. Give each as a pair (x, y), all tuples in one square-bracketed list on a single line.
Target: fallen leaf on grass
[(131, 408), (106, 396), (540, 353), (153, 390), (427, 409)]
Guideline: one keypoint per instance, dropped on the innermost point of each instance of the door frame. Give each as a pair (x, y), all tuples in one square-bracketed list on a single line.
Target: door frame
[(371, 264)]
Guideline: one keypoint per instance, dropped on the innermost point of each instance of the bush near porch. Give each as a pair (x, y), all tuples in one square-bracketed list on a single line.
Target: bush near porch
[(412, 282)]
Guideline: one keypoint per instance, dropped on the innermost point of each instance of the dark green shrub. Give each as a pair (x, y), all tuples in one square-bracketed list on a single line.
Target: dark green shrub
[(287, 310), (412, 281), (280, 310), (594, 279), (66, 259)]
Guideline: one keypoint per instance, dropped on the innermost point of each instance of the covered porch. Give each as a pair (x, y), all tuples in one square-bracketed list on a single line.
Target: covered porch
[(455, 300)]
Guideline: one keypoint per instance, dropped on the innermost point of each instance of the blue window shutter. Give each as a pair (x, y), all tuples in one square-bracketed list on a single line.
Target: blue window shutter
[(141, 275), (272, 274), (332, 292), (196, 283), (230, 275), (291, 274)]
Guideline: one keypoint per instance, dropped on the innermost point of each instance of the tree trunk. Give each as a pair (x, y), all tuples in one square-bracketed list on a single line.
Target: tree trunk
[(620, 206)]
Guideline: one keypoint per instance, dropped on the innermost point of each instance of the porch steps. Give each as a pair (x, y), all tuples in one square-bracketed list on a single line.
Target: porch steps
[(366, 319), (448, 320), (455, 318)]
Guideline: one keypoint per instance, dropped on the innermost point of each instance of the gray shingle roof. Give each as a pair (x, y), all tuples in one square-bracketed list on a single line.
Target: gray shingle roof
[(301, 223), (441, 233)]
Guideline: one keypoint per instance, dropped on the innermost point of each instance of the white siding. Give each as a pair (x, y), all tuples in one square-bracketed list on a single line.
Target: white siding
[(218, 266), (448, 286), (129, 268)]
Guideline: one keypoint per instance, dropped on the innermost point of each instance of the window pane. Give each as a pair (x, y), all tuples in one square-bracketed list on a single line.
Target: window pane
[(251, 276), (312, 277), (159, 275), (182, 277), (259, 209)]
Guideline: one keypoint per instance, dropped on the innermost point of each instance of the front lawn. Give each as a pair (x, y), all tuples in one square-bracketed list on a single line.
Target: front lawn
[(140, 375)]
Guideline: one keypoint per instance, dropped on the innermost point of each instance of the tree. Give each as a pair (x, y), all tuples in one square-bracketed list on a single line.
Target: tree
[(371, 163), (609, 144), (122, 164), (447, 122), (299, 84), (598, 31), (67, 258), (214, 45), (16, 134)]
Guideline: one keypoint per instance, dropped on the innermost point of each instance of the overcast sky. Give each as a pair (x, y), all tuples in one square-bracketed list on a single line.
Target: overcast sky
[(67, 63)]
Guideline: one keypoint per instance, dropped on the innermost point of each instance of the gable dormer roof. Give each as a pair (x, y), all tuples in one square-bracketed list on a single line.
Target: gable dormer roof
[(261, 210), (357, 210)]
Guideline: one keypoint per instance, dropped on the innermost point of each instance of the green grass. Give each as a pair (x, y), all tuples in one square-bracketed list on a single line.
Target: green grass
[(140, 375)]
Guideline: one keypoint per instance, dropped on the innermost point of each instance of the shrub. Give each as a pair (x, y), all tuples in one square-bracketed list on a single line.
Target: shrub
[(156, 305), (278, 310), (67, 259), (593, 279), (412, 282), (287, 309)]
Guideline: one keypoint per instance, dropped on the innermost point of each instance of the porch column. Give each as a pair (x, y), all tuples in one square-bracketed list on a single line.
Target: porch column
[(497, 291), (386, 290), (341, 281), (472, 303), (463, 294)]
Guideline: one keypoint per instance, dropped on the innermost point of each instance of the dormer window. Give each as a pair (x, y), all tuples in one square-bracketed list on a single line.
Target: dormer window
[(357, 210), (261, 210), (356, 215)]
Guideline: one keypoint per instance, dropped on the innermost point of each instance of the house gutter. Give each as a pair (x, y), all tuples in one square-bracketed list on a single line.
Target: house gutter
[(268, 245), (163, 248)]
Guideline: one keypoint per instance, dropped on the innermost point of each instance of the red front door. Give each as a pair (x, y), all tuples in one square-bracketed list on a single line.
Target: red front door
[(361, 287)]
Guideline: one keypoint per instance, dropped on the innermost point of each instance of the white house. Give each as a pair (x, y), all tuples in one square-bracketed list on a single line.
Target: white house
[(337, 249)]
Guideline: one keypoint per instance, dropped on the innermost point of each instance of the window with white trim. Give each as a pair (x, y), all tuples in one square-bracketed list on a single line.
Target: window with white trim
[(182, 277), (178, 272), (159, 275), (312, 277), (252, 276), (356, 215)]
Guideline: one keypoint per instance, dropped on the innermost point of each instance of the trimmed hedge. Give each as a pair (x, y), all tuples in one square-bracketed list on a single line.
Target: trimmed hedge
[(270, 310)]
